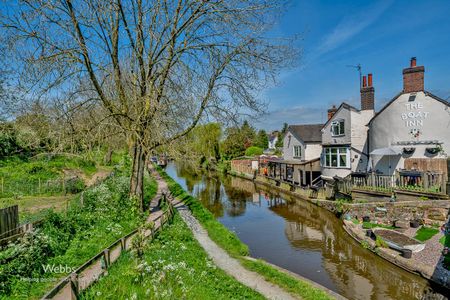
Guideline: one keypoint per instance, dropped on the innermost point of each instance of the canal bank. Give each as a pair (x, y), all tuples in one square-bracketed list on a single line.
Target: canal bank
[(381, 212), (300, 237)]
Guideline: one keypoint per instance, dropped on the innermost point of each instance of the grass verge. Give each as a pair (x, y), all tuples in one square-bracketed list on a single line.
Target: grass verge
[(231, 243), (174, 266), (425, 233), (287, 282)]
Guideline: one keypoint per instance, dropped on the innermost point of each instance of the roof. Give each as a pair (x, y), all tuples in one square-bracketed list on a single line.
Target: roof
[(401, 93), (342, 106), (308, 133)]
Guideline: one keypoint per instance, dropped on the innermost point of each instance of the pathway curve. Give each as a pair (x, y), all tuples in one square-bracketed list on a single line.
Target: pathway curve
[(224, 261)]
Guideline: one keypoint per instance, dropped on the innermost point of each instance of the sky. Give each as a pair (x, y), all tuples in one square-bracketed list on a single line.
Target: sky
[(382, 36)]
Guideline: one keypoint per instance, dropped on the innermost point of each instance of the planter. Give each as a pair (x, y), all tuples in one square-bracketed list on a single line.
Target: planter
[(369, 233), (407, 253), (414, 224), (366, 219)]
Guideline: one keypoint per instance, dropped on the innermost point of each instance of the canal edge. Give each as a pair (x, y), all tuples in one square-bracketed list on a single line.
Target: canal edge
[(300, 277), (380, 254)]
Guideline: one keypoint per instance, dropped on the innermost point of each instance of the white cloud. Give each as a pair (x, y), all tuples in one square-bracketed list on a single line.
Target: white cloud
[(350, 26)]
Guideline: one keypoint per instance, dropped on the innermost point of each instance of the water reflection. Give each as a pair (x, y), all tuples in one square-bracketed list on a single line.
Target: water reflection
[(301, 237)]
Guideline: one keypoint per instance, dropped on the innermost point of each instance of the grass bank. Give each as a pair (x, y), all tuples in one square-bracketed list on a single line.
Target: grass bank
[(70, 238), (174, 266), (231, 243)]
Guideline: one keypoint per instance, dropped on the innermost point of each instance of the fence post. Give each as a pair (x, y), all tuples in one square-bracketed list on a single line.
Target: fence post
[(39, 185), (74, 283), (106, 255), (3, 188)]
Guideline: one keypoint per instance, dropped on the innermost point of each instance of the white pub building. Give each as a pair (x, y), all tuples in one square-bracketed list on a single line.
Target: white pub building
[(412, 131)]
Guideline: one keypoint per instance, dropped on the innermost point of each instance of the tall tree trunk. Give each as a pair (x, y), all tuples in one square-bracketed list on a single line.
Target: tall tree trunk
[(137, 174)]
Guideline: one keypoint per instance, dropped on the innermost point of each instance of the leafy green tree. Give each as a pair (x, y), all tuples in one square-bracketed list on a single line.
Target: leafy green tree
[(233, 145), (203, 141), (262, 139)]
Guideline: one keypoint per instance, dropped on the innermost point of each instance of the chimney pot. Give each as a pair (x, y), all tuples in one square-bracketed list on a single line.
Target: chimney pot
[(413, 62), (369, 77), (364, 81)]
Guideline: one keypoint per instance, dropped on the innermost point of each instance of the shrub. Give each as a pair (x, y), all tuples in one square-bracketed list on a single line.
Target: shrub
[(253, 151), (74, 185)]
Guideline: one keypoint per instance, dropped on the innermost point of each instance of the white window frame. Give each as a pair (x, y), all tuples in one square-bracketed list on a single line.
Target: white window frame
[(332, 157), (294, 151), (338, 127)]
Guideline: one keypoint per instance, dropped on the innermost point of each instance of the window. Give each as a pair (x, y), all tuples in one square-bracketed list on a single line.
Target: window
[(336, 157), (337, 128), (298, 151)]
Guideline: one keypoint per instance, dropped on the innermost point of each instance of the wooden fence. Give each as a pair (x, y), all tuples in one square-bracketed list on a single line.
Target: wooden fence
[(72, 285), (9, 220), (414, 181)]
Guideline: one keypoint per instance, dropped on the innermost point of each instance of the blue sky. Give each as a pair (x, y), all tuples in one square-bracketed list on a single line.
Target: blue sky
[(382, 36)]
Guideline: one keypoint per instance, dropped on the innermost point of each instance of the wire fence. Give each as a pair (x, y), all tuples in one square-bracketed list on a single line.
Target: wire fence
[(39, 187)]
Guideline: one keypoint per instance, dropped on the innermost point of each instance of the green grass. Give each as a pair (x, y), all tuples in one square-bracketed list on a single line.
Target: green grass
[(231, 243), (174, 266), (445, 240), (70, 238), (369, 225), (425, 233), (297, 287)]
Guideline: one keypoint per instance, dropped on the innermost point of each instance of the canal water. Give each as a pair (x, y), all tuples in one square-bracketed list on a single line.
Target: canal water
[(300, 237)]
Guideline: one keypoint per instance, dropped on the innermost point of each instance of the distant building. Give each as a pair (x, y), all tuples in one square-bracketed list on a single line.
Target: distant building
[(344, 135), (273, 139), (412, 131)]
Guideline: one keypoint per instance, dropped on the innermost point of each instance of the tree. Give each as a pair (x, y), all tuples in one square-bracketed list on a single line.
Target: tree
[(155, 67), (280, 140), (262, 139)]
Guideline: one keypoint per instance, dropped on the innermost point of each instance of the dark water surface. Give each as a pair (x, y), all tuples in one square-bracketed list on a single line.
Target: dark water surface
[(300, 237)]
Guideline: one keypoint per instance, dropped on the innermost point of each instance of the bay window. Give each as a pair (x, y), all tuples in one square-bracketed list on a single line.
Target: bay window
[(336, 157)]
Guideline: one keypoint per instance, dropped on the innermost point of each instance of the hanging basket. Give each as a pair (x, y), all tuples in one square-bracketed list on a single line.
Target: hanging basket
[(409, 150), (433, 150)]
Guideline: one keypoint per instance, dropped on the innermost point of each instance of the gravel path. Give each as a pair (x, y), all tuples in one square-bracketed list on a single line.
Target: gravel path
[(230, 265)]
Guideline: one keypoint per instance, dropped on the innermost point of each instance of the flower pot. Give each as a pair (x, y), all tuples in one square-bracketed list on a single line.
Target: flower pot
[(369, 233), (414, 224), (406, 253), (366, 219)]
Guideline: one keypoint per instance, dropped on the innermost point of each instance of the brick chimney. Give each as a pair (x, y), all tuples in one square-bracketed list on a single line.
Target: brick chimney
[(413, 77), (367, 94), (332, 111)]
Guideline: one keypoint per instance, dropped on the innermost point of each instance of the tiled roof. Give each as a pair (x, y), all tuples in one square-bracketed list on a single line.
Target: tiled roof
[(307, 133)]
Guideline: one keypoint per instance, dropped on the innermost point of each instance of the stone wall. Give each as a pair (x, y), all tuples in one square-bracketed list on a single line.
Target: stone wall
[(430, 211)]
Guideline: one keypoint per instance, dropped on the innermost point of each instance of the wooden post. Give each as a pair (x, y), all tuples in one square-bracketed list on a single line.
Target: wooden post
[(3, 188), (74, 284), (64, 184), (107, 257), (39, 185), (310, 174)]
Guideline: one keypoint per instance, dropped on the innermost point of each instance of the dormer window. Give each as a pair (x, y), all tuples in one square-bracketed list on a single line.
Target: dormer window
[(337, 128)]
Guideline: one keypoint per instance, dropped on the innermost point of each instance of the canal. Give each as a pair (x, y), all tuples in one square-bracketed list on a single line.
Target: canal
[(300, 237)]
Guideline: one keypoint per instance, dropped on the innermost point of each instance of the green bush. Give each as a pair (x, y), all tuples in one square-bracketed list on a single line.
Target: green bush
[(253, 151), (74, 185)]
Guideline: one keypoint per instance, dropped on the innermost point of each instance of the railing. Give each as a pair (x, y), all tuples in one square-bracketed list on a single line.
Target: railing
[(72, 285), (411, 181), (12, 188)]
